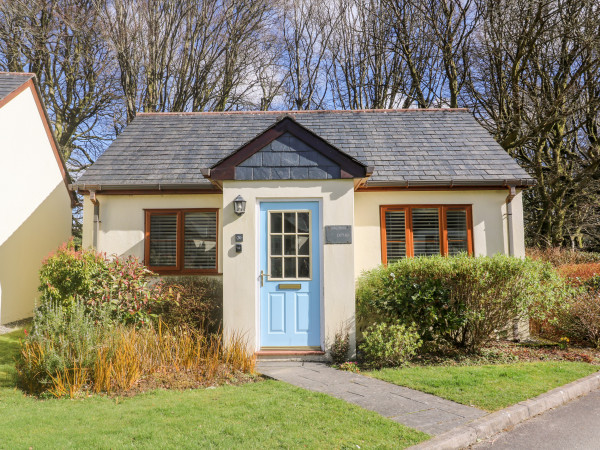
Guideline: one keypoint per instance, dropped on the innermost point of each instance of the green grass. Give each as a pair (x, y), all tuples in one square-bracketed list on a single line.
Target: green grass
[(267, 414), (489, 387)]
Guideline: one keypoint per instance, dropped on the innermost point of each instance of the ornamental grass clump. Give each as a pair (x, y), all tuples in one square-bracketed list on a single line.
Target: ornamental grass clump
[(459, 301), (69, 353)]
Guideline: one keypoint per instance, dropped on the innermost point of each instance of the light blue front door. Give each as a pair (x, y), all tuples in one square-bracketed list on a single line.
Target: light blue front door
[(290, 284)]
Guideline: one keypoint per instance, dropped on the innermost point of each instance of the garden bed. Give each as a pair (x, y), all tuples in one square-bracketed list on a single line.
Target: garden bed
[(263, 414)]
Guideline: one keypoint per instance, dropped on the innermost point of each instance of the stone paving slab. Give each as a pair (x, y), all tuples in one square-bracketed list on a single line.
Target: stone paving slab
[(415, 409)]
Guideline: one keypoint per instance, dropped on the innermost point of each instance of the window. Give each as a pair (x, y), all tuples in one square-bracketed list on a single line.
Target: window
[(181, 241), (408, 231), (289, 245)]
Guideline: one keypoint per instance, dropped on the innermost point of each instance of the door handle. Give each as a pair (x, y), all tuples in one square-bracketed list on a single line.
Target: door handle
[(262, 277)]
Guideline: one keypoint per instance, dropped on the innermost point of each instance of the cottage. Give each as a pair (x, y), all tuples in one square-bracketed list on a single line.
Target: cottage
[(35, 204), (288, 208)]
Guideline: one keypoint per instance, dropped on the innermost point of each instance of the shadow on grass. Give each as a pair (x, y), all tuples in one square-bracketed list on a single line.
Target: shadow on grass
[(9, 348)]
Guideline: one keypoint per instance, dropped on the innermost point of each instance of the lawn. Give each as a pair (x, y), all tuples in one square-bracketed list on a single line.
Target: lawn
[(489, 387), (263, 414)]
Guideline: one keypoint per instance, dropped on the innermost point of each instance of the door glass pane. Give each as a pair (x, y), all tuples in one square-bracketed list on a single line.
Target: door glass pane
[(289, 267), (289, 235), (456, 224), (289, 246), (200, 240), (276, 268), (163, 240), (289, 222), (303, 222), (426, 231), (275, 222), (395, 229), (303, 267), (303, 244), (276, 244)]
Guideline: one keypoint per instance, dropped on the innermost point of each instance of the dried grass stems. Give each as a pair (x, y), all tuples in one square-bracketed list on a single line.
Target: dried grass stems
[(128, 357)]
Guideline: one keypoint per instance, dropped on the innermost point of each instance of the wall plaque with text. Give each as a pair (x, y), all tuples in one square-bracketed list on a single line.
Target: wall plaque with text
[(338, 234)]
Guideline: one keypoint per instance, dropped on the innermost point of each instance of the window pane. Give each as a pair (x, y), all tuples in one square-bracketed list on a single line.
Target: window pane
[(303, 244), (275, 222), (200, 244), (426, 231), (426, 248), (303, 267), (456, 223), (289, 222), (289, 268), (276, 268), (396, 251), (276, 245), (395, 227), (163, 240), (289, 245), (456, 247), (303, 224)]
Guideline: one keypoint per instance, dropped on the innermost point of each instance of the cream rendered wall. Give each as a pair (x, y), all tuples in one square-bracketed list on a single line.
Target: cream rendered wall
[(35, 207), (240, 270), (122, 220), (490, 228)]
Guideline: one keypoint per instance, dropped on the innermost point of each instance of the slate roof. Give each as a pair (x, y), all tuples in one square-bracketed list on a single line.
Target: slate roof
[(415, 147), (12, 81)]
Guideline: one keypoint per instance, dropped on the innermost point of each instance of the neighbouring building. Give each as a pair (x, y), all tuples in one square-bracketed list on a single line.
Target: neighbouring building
[(35, 203)]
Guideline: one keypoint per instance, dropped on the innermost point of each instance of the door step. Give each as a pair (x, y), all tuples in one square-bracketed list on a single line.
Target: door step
[(290, 354)]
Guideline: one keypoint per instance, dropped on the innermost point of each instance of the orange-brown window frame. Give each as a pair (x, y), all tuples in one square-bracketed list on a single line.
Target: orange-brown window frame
[(179, 253), (442, 210)]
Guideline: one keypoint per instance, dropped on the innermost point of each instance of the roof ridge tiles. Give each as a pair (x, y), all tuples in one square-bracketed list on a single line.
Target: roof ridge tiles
[(25, 74), (312, 111)]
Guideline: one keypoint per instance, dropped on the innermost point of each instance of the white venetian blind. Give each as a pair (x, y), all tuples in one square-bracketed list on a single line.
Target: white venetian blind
[(456, 224), (200, 241), (163, 240), (426, 231), (395, 233)]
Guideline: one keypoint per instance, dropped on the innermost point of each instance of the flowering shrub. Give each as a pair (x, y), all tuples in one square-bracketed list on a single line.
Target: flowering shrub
[(124, 286), (461, 300)]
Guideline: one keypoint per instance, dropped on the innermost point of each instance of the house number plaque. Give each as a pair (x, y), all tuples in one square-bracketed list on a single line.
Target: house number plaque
[(338, 234)]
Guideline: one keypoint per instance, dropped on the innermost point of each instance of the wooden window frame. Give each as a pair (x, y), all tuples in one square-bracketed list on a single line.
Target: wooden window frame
[(180, 238), (443, 231)]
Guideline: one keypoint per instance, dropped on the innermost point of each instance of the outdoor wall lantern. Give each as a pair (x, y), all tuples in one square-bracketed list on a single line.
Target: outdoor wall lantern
[(239, 205)]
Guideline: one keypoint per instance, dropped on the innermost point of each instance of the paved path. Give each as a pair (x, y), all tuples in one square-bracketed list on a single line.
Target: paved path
[(415, 409), (575, 425)]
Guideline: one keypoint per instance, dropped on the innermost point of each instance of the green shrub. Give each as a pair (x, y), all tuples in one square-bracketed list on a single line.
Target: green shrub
[(125, 286), (340, 347), (197, 302), (458, 300), (61, 338), (389, 345)]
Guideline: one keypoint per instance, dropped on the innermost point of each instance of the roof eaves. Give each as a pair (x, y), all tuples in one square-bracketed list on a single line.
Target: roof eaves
[(517, 182)]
